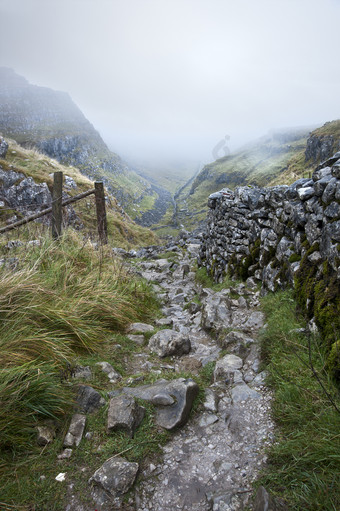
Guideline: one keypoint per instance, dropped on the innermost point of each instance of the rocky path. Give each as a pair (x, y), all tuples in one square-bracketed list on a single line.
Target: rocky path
[(211, 462)]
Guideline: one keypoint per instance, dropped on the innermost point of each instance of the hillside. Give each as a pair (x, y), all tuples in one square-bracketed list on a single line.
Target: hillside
[(49, 120), (278, 158), (20, 197)]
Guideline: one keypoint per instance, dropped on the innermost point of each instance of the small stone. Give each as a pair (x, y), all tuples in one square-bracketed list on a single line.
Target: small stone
[(226, 366), (61, 477), (65, 455), (75, 431), (45, 435), (112, 374), (140, 328), (263, 501), (138, 339)]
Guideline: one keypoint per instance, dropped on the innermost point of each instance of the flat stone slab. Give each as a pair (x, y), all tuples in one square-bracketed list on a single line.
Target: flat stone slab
[(75, 431), (169, 342), (124, 414), (180, 395), (116, 476)]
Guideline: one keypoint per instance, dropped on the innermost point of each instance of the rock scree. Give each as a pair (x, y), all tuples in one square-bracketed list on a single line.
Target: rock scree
[(214, 454)]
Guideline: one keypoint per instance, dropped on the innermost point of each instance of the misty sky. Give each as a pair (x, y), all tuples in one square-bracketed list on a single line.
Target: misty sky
[(173, 77)]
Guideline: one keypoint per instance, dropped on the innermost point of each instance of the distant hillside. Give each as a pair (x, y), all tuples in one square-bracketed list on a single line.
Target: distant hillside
[(278, 158), (50, 121), (20, 196)]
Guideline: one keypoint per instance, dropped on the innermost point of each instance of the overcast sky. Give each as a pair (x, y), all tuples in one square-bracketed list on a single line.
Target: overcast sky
[(173, 77)]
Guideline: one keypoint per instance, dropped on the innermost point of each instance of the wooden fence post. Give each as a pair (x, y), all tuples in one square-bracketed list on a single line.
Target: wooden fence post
[(101, 212), (57, 193)]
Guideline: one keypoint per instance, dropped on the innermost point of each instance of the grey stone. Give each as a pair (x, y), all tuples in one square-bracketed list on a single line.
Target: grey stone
[(182, 391), (88, 399), (45, 435), (75, 430), (140, 328), (333, 210), (81, 372), (138, 339), (243, 393), (65, 455), (164, 322), (216, 312), (169, 342), (263, 501), (112, 374), (226, 366), (207, 419), (305, 193), (211, 401), (116, 476), (124, 414)]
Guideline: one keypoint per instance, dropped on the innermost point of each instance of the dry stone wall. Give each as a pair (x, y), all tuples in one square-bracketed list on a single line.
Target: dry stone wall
[(272, 234)]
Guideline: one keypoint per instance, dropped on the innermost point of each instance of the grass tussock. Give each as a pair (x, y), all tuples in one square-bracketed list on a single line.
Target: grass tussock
[(65, 299), (304, 463)]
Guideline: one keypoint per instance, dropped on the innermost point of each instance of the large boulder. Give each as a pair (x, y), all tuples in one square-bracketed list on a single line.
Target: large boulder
[(124, 414), (173, 400), (169, 342)]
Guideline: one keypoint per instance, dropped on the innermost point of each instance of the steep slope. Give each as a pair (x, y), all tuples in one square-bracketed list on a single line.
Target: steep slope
[(49, 120), (281, 157), (26, 176)]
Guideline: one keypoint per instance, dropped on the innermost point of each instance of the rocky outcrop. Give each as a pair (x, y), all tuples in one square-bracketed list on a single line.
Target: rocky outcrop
[(22, 196)]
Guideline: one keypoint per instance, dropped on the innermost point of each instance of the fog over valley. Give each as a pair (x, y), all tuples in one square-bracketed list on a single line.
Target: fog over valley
[(168, 81)]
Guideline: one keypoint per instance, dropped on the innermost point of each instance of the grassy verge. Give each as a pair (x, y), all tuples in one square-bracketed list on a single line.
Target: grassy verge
[(304, 463)]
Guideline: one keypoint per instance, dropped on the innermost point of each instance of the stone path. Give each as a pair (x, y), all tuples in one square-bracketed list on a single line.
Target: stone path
[(211, 462)]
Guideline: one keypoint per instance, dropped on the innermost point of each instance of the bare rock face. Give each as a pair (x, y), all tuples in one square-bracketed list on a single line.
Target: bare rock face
[(115, 476), (75, 431), (169, 342), (124, 414), (173, 400)]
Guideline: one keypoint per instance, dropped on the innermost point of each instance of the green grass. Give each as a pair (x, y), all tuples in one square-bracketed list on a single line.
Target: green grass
[(65, 300), (303, 466), (205, 280)]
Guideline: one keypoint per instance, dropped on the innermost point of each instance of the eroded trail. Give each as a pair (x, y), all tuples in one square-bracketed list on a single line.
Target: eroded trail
[(211, 462)]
